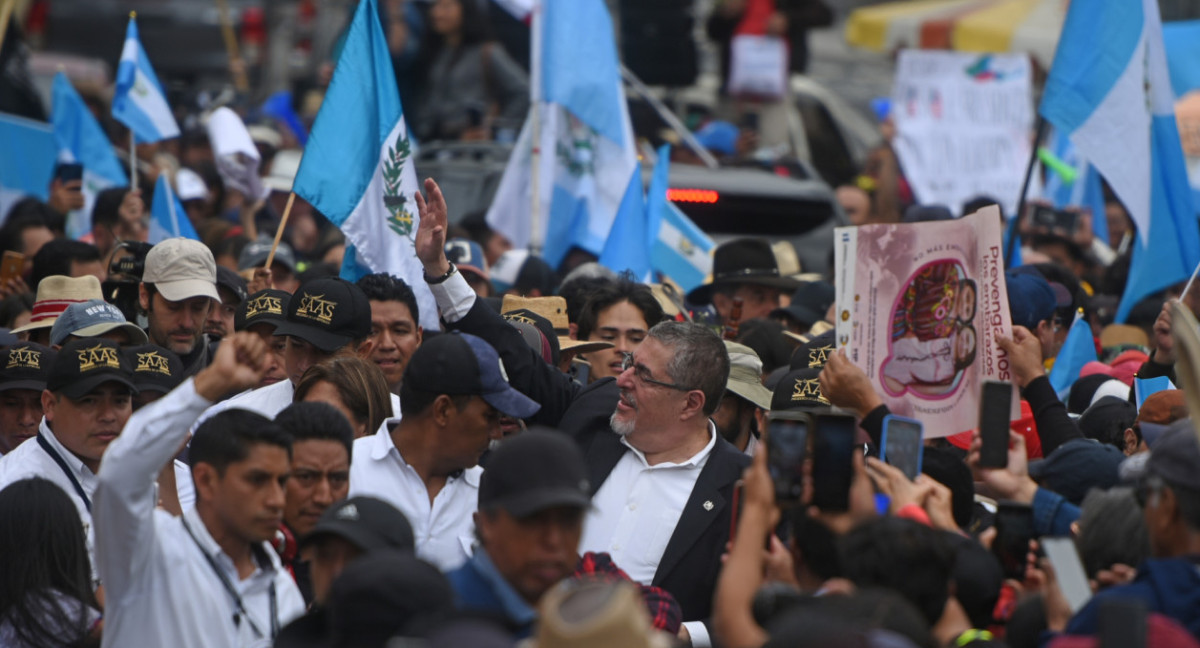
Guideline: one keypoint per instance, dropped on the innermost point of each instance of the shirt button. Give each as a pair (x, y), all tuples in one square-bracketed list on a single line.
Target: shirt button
[(633, 506), (616, 547)]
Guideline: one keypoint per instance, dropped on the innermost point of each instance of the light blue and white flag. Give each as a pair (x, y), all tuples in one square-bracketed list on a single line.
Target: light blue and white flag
[(588, 155), (1109, 91), (139, 101), (27, 155), (631, 239), (167, 216), (357, 168), (1082, 190), (682, 251), (81, 139), (1077, 350)]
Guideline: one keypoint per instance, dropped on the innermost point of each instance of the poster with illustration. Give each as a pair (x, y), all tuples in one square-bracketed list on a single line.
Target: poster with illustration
[(919, 308)]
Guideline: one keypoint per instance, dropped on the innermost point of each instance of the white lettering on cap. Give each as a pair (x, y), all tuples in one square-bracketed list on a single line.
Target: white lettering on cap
[(503, 373), (348, 512)]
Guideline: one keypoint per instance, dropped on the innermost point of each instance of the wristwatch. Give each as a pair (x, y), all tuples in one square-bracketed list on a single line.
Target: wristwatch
[(442, 278)]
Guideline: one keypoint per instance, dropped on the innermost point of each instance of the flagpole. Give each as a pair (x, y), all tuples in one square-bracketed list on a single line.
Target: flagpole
[(1037, 139), (535, 127), (132, 161), (231, 48), (1188, 285), (287, 210), (6, 9)]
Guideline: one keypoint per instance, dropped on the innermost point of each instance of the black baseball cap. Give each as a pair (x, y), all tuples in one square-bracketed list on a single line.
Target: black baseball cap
[(814, 353), (25, 365), (534, 471), (799, 389), (328, 313), (387, 594), (268, 306), (461, 364), (365, 522), (83, 365), (154, 368), (231, 281)]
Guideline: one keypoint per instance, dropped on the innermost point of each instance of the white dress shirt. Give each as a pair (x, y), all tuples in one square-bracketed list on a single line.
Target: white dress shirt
[(444, 530), (160, 588)]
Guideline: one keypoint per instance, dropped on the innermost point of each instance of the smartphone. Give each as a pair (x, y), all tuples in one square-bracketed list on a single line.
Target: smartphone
[(1014, 530), (994, 411), (12, 266), (1066, 220), (787, 446), (1068, 569), (1122, 623), (68, 171), (833, 461), (901, 444)]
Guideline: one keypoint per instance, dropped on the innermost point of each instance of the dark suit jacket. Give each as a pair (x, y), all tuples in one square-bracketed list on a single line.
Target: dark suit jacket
[(692, 560)]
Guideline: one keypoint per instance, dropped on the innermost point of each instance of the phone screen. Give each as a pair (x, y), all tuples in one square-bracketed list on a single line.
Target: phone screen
[(1014, 530), (1045, 216), (11, 266), (1066, 220), (787, 445), (68, 171), (832, 468), (994, 412), (902, 445), (1068, 569)]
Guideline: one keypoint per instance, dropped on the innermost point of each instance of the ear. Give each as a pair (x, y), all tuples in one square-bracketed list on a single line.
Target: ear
[(48, 403), (693, 405), (365, 348), (420, 335), (441, 409), (205, 478), (1129, 444), (143, 297), (573, 331)]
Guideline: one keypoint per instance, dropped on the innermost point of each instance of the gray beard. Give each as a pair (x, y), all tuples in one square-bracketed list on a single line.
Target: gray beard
[(622, 428)]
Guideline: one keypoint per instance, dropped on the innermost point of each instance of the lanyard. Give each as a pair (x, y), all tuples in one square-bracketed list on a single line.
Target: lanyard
[(62, 464), (240, 607)]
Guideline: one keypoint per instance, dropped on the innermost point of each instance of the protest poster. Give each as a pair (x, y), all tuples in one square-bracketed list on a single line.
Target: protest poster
[(920, 306), (963, 125)]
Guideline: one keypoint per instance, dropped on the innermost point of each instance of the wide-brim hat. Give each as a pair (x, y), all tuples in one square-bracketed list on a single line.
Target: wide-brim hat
[(745, 375), (54, 294), (553, 309), (743, 261)]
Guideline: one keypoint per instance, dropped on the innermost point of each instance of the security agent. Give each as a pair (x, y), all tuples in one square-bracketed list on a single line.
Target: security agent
[(87, 400), (24, 368), (207, 578)]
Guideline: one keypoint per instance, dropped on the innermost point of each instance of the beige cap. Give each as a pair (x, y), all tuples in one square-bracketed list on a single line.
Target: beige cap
[(745, 375), (180, 269), (553, 309), (595, 613), (54, 294)]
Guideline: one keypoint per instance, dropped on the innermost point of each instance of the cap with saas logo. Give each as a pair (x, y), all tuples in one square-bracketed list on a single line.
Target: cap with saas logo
[(799, 389), (93, 318), (462, 364), (328, 313), (25, 365), (155, 368), (83, 365), (269, 306), (181, 269)]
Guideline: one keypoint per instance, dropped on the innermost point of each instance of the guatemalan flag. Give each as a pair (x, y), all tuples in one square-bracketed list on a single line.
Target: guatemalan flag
[(139, 102), (167, 216), (681, 250), (80, 138), (357, 168), (1110, 92), (588, 155)]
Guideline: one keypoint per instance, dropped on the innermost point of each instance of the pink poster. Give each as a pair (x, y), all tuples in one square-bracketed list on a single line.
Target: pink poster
[(919, 308)]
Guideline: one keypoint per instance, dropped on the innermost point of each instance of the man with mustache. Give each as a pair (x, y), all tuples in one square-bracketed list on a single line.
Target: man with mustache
[(179, 287), (661, 476)]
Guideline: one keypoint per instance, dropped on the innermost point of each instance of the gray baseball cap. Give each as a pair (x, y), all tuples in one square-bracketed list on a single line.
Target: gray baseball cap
[(93, 318)]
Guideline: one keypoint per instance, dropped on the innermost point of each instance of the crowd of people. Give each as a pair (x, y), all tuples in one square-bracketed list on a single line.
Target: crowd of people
[(198, 448)]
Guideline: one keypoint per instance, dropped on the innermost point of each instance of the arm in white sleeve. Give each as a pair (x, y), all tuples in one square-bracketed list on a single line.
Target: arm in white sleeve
[(123, 510), (699, 634), (454, 297)]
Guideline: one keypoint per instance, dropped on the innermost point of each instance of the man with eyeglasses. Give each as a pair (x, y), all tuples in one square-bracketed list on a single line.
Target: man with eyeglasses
[(322, 443), (661, 476), (1169, 582)]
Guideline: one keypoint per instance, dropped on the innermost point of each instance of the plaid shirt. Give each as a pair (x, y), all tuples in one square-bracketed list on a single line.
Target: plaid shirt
[(665, 613)]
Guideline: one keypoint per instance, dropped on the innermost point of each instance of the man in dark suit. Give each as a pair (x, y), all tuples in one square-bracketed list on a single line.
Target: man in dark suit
[(661, 477)]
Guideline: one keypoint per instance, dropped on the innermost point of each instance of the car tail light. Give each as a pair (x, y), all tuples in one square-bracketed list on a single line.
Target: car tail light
[(692, 195)]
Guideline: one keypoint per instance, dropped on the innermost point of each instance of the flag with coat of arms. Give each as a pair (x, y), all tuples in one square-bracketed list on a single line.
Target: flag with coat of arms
[(357, 168), (139, 101)]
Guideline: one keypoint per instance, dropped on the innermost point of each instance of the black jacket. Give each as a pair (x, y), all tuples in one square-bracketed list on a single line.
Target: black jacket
[(692, 560)]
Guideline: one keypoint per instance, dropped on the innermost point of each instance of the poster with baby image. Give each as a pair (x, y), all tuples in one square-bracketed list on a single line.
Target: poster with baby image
[(919, 308)]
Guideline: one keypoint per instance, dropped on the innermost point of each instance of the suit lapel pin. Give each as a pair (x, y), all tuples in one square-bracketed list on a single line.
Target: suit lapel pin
[(708, 505)]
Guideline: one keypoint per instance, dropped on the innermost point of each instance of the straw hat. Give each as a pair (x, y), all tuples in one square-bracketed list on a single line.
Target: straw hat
[(553, 309), (595, 614), (55, 293)]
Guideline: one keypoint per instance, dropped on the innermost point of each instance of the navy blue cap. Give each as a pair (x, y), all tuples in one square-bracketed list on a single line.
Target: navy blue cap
[(461, 364), (1030, 299)]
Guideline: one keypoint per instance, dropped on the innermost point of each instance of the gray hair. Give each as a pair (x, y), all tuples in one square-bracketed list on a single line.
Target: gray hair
[(698, 359), (1111, 530)]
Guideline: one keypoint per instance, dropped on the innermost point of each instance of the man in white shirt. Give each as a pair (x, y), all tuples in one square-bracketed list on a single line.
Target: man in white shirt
[(24, 368), (426, 464), (208, 578), (87, 400), (326, 317)]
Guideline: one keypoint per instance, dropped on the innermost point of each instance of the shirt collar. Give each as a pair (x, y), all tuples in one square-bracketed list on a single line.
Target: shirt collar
[(695, 461), (514, 606), (69, 457), (265, 558)]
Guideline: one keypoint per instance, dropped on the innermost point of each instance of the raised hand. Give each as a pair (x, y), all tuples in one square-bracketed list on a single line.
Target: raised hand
[(240, 364), (430, 242)]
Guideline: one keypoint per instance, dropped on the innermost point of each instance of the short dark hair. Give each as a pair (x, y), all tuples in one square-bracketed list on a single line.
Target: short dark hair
[(579, 291), (316, 421), (56, 256), (902, 555), (1111, 530), (26, 214), (414, 401), (615, 292), (698, 359), (107, 210), (381, 286), (226, 437), (46, 581)]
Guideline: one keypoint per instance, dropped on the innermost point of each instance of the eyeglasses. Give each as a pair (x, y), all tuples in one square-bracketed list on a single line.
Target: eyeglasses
[(643, 374)]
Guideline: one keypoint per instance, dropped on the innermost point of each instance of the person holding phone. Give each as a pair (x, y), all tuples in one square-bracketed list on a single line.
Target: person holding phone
[(66, 187)]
